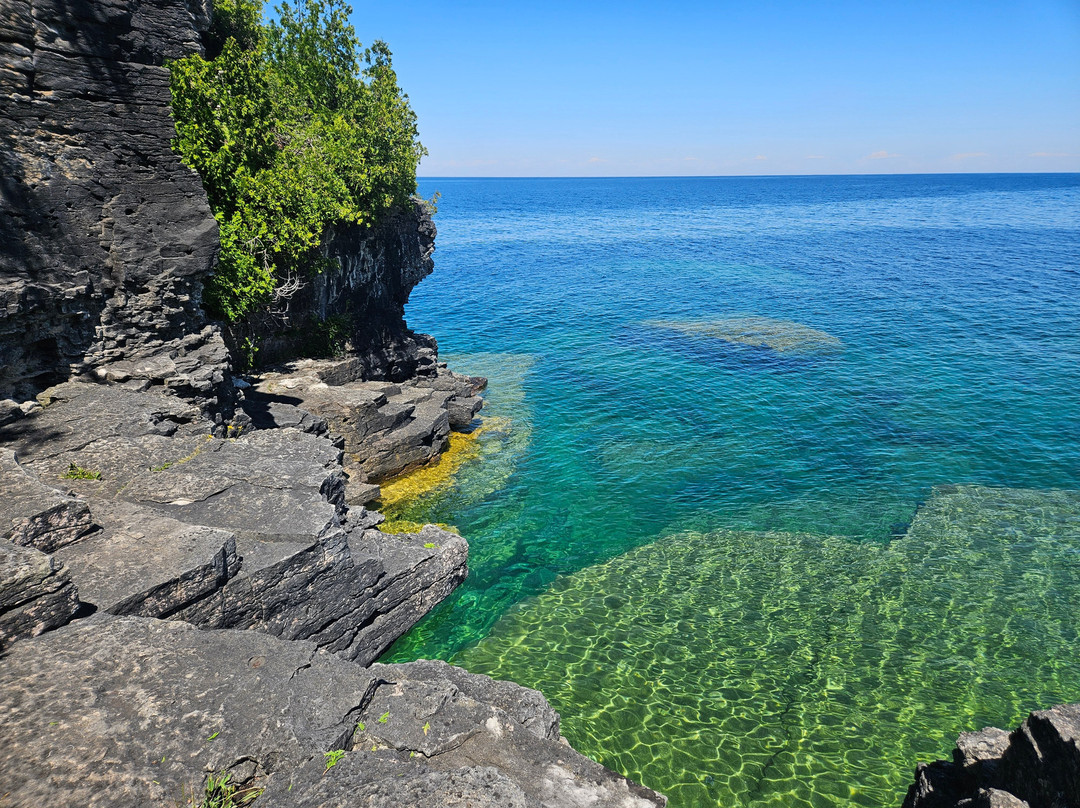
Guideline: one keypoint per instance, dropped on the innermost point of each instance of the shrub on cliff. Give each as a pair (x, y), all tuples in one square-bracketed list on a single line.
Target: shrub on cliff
[(292, 127)]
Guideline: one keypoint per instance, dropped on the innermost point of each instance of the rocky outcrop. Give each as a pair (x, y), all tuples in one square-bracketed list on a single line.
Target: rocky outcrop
[(387, 428), (165, 520), (36, 593), (129, 711), (152, 524), (372, 270), (107, 236), (1035, 766)]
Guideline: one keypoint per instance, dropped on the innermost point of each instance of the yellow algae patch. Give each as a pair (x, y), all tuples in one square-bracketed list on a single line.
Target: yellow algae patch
[(463, 447), (407, 526), (782, 336)]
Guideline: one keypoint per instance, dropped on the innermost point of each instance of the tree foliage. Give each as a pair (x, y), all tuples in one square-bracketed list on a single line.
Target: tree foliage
[(292, 126)]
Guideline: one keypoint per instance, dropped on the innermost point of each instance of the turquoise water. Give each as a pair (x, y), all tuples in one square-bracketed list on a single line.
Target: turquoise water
[(697, 381)]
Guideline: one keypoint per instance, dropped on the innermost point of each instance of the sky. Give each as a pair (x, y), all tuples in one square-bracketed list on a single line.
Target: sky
[(736, 88)]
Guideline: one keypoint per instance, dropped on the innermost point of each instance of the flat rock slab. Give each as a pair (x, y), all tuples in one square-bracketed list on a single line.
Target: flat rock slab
[(455, 738), (131, 711), (143, 563), (128, 711), (107, 442)]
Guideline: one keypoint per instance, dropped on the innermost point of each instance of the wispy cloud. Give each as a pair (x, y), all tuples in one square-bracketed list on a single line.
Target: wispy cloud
[(597, 160), (881, 155), (1051, 154), (693, 159), (815, 157), (969, 155), (761, 157)]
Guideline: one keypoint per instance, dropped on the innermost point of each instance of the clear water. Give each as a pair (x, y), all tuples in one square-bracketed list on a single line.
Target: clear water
[(715, 405)]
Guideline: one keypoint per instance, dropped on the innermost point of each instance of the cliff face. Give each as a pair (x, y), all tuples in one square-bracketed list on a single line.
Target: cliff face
[(107, 236), (372, 271)]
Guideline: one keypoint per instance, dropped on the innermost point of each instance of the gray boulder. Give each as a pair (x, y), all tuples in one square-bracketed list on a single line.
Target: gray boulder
[(1036, 765)]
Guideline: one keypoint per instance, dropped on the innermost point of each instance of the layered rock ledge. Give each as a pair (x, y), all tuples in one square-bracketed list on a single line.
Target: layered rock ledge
[(149, 514), (154, 541), (144, 709)]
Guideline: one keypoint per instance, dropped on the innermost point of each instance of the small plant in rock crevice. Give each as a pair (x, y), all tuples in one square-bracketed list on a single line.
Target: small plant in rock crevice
[(333, 757), (221, 792), (80, 473)]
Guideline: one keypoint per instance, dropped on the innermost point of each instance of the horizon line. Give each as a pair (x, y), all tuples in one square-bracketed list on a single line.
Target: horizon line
[(736, 176)]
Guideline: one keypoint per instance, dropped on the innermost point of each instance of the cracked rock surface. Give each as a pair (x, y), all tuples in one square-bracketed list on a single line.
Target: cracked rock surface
[(143, 709), (165, 520)]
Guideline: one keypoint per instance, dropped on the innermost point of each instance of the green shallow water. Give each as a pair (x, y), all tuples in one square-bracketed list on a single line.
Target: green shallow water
[(749, 385), (788, 669)]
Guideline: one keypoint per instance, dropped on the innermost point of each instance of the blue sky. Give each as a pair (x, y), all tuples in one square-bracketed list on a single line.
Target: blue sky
[(694, 88)]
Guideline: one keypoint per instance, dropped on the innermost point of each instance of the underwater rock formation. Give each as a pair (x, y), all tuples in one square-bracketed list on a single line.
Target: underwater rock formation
[(782, 336)]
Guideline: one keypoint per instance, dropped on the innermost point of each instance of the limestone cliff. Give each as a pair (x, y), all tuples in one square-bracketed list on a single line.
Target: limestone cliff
[(107, 236), (372, 271)]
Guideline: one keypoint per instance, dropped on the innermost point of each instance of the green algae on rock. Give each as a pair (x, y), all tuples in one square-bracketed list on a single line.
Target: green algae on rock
[(782, 336), (786, 669)]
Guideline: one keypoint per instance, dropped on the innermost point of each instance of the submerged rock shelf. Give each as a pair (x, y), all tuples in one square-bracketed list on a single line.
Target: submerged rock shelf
[(792, 669)]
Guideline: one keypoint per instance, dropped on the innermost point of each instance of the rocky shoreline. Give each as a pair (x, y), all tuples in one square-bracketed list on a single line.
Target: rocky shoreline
[(165, 529), (191, 586)]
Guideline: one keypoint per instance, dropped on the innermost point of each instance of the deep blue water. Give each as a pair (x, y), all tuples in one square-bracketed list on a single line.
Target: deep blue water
[(924, 330)]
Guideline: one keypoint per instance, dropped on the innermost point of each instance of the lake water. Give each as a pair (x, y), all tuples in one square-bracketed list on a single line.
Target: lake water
[(775, 490)]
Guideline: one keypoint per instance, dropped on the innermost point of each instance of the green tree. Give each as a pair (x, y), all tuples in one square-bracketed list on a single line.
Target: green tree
[(293, 127)]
